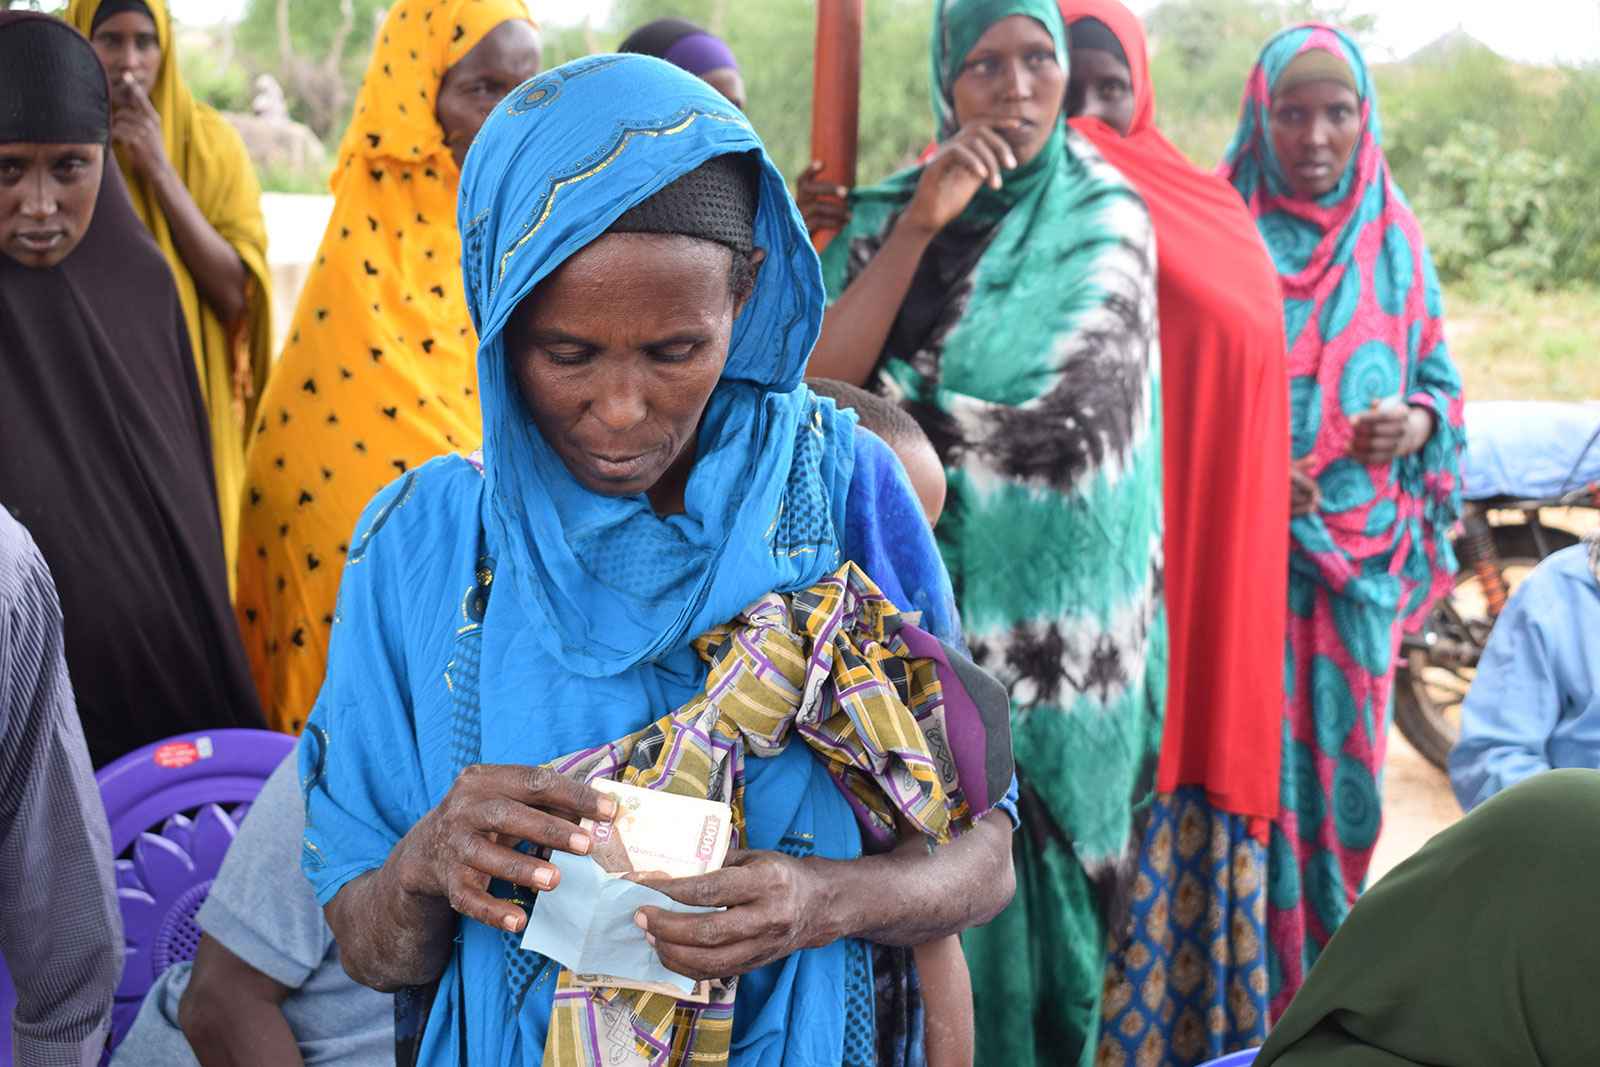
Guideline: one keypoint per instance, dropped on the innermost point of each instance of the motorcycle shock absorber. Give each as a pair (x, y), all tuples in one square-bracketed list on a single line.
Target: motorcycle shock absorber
[(1477, 544)]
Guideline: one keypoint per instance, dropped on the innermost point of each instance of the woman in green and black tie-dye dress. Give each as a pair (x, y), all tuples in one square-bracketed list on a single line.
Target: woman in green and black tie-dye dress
[(1004, 292)]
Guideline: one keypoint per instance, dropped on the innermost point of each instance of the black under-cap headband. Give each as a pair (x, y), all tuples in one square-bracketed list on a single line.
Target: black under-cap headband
[(112, 8), (1090, 32), (716, 201), (52, 87)]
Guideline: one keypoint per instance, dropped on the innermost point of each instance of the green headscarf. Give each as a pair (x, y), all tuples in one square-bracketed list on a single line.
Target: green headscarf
[(957, 26), (1479, 951)]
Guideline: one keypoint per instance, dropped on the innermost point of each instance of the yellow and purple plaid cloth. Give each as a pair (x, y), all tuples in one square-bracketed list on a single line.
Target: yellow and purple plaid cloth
[(826, 665)]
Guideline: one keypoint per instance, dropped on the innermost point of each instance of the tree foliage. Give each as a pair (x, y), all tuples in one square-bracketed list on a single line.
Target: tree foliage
[(317, 50), (775, 42), (1498, 157), (1489, 208)]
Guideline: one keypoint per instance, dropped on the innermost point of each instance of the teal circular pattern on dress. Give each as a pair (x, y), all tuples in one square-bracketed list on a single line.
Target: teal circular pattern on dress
[(1325, 890), (1283, 872), (1302, 597), (1364, 629), (1296, 313), (1419, 572), (1371, 205), (1345, 486), (1341, 304), (1379, 590), (1357, 808), (1303, 790), (1305, 412), (1333, 707), (1311, 534), (1395, 271), (1371, 373), (1291, 241), (1381, 518), (1289, 687)]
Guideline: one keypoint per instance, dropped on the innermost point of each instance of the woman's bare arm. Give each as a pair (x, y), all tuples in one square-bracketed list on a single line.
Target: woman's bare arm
[(777, 905), (858, 323), (390, 937), (232, 1014), (395, 925), (219, 274)]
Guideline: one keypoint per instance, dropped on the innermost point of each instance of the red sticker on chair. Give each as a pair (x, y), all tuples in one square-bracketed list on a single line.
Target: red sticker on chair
[(176, 754)]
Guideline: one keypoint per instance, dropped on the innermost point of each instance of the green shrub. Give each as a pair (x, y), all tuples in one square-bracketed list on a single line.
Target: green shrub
[(226, 88), (1488, 208)]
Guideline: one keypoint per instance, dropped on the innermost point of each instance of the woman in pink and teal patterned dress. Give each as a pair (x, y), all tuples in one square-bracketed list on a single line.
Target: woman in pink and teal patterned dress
[(1376, 417)]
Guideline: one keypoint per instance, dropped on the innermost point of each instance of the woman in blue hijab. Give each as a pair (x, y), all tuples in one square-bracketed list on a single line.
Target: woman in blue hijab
[(646, 299)]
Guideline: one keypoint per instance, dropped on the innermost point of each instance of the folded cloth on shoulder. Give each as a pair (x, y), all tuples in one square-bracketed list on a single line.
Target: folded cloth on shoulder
[(838, 667)]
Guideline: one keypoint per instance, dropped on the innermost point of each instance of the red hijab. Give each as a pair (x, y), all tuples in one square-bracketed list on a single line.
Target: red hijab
[(1225, 398)]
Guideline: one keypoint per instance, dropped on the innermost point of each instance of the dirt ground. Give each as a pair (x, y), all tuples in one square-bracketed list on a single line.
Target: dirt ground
[(1417, 803)]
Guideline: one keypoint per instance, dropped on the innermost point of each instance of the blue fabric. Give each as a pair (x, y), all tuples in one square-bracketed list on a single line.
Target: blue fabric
[(887, 534), (890, 539), (605, 583), (1535, 703), (1529, 449), (595, 599)]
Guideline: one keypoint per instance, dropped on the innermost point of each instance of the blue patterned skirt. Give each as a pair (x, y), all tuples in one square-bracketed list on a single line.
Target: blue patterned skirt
[(1188, 981)]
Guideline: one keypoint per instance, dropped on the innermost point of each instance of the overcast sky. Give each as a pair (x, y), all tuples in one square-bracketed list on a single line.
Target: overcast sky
[(1531, 30)]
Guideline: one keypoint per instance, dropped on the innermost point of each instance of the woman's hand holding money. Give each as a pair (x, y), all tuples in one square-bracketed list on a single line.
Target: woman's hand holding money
[(775, 906), (467, 840), (396, 926)]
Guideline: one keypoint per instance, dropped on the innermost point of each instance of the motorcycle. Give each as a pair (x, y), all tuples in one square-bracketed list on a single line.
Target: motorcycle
[(1531, 472)]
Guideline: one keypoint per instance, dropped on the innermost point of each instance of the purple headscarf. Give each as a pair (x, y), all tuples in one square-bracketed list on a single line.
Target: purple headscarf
[(683, 44)]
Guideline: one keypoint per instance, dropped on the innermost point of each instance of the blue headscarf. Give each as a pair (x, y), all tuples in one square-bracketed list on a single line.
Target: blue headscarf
[(607, 583)]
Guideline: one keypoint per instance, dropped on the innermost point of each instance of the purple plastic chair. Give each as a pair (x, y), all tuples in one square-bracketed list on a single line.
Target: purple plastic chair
[(174, 807), (1236, 1059), (167, 859)]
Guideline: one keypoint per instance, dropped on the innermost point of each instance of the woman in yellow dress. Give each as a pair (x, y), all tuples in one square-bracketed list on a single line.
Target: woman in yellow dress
[(194, 187), (378, 374)]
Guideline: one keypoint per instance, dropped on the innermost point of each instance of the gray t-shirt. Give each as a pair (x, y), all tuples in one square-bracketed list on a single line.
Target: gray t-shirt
[(261, 909)]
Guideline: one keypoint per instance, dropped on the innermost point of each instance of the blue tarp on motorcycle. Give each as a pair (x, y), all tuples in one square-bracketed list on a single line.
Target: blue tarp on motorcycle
[(1530, 450)]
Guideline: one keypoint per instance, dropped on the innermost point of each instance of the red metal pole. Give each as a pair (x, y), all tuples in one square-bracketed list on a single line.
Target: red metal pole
[(836, 97)]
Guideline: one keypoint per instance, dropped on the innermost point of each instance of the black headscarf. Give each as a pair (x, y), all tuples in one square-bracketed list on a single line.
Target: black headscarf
[(52, 86), (654, 38), (105, 457)]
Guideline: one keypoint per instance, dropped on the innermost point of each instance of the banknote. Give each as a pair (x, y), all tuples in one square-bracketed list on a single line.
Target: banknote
[(700, 994), (664, 833)]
